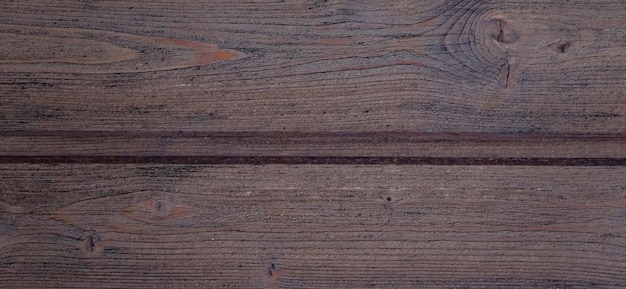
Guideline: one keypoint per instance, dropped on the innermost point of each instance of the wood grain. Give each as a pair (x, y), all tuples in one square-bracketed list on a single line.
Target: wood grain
[(312, 144), (75, 51), (303, 66), (312, 226)]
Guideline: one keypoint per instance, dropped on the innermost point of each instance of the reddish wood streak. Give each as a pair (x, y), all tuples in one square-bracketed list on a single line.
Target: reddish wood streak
[(72, 52), (205, 54)]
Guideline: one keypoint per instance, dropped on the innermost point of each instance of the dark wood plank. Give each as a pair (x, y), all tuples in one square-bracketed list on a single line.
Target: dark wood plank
[(320, 226), (304, 66)]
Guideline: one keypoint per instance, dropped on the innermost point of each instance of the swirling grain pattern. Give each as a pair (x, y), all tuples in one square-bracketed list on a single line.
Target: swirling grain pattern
[(425, 66)]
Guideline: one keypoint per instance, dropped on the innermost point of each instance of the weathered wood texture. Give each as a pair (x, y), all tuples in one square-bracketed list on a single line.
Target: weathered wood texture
[(311, 226), (312, 144), (337, 65), (317, 144)]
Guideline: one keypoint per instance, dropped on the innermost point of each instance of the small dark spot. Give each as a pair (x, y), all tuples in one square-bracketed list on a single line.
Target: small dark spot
[(272, 270), (111, 250), (90, 244), (564, 47), (160, 206), (7, 264), (388, 199)]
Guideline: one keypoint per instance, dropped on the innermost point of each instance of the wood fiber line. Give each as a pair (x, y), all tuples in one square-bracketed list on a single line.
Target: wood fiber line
[(310, 144), (295, 160), (311, 226), (301, 66)]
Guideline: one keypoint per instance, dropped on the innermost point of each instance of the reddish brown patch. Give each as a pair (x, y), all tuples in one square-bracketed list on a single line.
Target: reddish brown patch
[(335, 41), (75, 51), (204, 53), (611, 22), (273, 274)]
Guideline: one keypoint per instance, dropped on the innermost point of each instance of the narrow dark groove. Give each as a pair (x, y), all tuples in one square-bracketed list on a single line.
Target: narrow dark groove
[(298, 160), (268, 135)]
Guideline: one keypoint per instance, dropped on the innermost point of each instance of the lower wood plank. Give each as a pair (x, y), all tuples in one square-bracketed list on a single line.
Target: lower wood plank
[(311, 226)]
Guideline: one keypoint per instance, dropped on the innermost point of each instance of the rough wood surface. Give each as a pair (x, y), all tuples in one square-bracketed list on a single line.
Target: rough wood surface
[(312, 144), (305, 65), (311, 226), (316, 144)]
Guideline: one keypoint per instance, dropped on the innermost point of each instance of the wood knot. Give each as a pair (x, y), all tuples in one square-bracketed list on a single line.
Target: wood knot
[(273, 273), (91, 245), (163, 207), (529, 36), (157, 211), (563, 47), (390, 200), (502, 31)]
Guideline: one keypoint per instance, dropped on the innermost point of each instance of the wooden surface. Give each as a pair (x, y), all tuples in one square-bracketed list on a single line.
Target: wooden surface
[(312, 226), (312, 144), (425, 66)]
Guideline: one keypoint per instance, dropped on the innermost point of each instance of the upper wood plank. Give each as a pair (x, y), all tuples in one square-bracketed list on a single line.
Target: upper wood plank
[(426, 66)]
